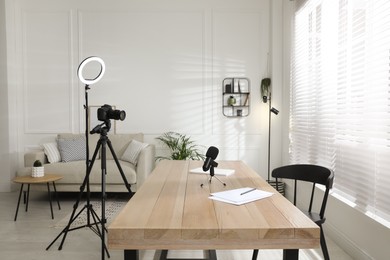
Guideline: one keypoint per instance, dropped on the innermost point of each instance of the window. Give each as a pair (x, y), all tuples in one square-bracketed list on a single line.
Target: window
[(340, 97)]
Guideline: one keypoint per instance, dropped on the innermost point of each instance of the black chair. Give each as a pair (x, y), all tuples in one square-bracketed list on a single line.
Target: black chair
[(314, 174)]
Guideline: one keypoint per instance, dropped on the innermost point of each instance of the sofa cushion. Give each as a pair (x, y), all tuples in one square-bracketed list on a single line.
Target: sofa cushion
[(113, 175), (72, 149), (132, 151), (52, 152), (74, 172), (120, 142), (92, 141)]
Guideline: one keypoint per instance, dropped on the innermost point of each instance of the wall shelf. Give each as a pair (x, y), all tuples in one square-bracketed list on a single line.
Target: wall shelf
[(235, 97)]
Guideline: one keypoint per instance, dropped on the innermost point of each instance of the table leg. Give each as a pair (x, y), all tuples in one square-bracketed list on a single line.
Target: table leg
[(131, 255), (17, 208), (290, 254), (28, 196), (51, 206), (211, 255), (56, 194)]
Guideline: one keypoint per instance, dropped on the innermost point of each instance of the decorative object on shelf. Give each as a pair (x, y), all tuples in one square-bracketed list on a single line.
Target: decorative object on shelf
[(37, 170), (235, 97), (231, 101), (265, 90), (180, 146), (228, 88)]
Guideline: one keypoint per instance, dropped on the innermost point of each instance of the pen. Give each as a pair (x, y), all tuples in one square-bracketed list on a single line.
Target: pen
[(245, 192)]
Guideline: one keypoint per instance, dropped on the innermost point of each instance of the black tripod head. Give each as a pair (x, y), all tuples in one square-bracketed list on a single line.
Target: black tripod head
[(102, 128)]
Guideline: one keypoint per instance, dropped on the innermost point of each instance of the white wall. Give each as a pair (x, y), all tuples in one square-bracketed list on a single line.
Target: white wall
[(165, 64)]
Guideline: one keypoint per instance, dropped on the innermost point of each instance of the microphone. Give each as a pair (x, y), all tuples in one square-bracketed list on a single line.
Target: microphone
[(211, 155)]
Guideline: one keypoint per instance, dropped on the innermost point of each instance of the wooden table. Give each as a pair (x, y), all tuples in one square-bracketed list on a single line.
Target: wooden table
[(172, 211), (47, 178)]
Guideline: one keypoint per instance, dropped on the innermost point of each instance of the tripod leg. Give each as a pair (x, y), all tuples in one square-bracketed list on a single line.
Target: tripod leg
[(63, 231), (82, 187), (224, 184), (212, 174), (97, 231), (128, 186), (104, 172), (104, 195)]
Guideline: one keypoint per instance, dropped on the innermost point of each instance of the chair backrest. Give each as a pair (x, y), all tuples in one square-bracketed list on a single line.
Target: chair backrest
[(310, 173)]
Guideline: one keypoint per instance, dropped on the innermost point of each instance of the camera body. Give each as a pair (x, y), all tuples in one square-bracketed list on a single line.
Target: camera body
[(106, 112)]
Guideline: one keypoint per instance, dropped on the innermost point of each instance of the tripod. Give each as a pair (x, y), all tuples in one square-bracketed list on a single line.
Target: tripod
[(94, 225), (212, 174)]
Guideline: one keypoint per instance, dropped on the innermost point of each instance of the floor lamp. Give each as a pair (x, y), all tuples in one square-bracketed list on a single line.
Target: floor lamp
[(266, 96)]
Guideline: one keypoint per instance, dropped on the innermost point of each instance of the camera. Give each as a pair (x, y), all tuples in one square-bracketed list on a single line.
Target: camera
[(106, 112)]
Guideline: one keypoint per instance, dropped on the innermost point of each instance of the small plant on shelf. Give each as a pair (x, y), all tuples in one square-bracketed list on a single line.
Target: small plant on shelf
[(181, 147)]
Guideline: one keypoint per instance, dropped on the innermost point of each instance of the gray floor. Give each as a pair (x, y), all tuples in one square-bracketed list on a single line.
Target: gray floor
[(33, 231)]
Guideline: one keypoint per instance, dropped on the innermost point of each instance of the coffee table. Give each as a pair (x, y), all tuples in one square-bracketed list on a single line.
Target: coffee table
[(172, 211), (37, 180)]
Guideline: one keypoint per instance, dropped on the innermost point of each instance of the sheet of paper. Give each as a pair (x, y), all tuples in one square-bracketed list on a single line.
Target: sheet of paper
[(240, 196), (217, 171)]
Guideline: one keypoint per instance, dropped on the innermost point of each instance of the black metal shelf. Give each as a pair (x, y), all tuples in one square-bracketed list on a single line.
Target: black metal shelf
[(236, 91)]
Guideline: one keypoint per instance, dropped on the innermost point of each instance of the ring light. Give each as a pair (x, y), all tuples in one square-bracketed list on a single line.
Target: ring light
[(85, 62)]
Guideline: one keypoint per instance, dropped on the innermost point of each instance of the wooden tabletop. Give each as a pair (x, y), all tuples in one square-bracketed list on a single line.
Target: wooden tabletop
[(32, 180), (172, 211)]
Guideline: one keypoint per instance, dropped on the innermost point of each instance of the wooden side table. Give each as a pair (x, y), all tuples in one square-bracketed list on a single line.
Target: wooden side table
[(37, 180)]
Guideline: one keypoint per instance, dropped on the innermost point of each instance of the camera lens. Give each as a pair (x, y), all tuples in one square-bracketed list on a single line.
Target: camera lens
[(122, 115), (117, 115), (106, 112)]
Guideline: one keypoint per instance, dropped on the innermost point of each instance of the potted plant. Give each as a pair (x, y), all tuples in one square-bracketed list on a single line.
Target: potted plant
[(265, 89), (181, 147), (37, 169)]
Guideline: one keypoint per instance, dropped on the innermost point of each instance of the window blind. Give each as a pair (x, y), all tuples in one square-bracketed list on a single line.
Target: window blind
[(340, 97)]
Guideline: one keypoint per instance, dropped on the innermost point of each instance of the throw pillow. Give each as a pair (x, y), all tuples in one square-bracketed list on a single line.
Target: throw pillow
[(72, 149), (132, 151), (52, 152)]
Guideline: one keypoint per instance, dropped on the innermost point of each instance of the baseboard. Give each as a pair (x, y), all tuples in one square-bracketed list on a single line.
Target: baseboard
[(345, 243)]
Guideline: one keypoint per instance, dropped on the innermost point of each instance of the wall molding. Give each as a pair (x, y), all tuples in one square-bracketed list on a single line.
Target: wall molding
[(30, 60)]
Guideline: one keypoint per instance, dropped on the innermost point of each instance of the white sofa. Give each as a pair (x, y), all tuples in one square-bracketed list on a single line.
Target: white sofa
[(74, 171)]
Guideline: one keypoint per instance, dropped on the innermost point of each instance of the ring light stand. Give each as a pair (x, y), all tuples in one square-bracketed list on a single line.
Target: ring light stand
[(90, 211)]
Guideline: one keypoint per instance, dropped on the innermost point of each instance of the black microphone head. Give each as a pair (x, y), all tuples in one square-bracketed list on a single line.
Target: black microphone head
[(212, 152)]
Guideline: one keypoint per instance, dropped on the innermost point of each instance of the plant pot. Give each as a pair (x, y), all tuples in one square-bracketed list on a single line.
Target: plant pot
[(231, 101), (38, 172)]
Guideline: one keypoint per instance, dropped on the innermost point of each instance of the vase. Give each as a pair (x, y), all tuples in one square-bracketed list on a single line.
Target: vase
[(37, 172)]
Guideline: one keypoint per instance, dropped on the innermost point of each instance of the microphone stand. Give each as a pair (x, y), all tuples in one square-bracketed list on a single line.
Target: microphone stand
[(212, 174)]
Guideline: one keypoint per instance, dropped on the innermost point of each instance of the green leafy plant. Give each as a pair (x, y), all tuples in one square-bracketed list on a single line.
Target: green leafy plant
[(180, 146), (265, 89), (37, 163)]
